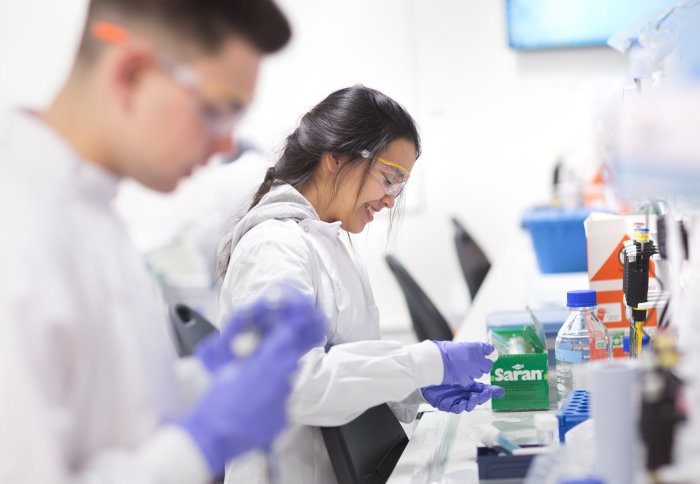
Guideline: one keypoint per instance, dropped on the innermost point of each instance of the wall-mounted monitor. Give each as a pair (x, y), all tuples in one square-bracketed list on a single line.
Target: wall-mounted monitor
[(549, 24)]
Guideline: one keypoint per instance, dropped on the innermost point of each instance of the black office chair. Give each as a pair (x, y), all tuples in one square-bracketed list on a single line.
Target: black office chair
[(190, 328), (366, 450), (475, 264), (427, 321)]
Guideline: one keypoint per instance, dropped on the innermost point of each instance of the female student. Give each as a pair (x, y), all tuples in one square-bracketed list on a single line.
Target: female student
[(350, 157)]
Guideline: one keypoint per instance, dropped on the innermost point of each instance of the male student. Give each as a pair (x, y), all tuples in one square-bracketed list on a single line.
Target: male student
[(90, 391)]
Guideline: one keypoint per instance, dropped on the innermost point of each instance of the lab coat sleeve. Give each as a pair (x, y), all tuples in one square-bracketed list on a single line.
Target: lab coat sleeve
[(330, 388), (335, 387), (40, 437), (407, 409)]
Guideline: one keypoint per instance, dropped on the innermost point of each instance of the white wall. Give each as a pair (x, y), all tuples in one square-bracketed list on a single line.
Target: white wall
[(38, 39), (492, 119)]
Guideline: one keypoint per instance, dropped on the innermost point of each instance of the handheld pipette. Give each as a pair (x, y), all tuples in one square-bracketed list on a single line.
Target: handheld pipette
[(635, 283)]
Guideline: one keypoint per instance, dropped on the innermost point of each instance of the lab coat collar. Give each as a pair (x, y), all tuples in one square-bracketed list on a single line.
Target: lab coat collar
[(282, 202), (330, 230), (50, 152)]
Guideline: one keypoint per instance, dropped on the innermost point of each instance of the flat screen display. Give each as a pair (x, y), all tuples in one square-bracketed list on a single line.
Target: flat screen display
[(548, 24)]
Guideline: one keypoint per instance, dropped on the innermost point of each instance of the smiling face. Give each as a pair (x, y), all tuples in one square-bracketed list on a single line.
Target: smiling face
[(355, 202)]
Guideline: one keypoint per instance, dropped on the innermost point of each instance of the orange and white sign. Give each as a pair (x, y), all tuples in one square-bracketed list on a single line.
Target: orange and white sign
[(605, 237)]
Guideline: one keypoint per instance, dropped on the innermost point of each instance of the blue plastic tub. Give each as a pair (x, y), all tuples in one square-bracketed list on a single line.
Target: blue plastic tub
[(559, 238)]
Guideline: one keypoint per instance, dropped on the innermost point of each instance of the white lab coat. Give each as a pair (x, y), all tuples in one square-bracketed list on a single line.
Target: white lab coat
[(283, 238), (86, 360)]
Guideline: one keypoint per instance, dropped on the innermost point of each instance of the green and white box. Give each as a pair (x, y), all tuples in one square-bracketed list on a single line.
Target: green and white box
[(523, 376)]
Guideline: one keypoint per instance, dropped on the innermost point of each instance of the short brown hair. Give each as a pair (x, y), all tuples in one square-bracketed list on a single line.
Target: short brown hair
[(203, 23)]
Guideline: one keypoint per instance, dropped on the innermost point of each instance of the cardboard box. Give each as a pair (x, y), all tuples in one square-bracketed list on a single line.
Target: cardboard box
[(605, 237), (524, 377)]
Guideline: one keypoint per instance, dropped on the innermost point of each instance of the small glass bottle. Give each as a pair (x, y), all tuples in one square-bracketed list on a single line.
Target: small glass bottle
[(582, 337)]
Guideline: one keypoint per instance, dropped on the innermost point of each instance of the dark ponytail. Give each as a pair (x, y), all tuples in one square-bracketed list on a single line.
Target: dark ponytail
[(265, 186), (346, 123)]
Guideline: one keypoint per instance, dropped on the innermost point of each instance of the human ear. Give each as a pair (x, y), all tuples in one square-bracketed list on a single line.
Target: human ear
[(128, 67), (331, 162)]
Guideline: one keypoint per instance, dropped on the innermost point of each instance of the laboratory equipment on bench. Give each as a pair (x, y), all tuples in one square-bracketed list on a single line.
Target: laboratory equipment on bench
[(614, 404), (547, 427), (573, 411), (493, 437), (521, 369), (635, 283), (538, 328), (660, 409), (582, 338)]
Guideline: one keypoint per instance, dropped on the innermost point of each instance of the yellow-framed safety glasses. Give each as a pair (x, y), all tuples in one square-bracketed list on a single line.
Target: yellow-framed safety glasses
[(222, 105), (392, 176)]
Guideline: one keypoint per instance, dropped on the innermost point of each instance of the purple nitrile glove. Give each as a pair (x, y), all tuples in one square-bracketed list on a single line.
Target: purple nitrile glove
[(460, 398), (244, 408), (464, 362), (280, 304)]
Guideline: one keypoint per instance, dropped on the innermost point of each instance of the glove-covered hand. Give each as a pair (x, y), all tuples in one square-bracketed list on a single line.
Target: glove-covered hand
[(281, 304), (460, 398), (244, 408), (464, 362)]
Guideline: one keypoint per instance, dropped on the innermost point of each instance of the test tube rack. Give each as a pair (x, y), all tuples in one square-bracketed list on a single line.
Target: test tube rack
[(573, 411)]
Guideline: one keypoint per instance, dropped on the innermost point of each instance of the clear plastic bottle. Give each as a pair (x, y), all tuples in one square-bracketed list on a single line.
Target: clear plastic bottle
[(582, 337)]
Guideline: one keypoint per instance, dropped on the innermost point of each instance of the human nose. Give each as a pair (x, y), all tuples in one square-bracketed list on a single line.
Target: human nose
[(389, 201), (223, 144)]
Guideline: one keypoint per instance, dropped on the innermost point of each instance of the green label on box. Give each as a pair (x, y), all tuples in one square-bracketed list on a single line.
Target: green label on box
[(518, 372), (525, 379)]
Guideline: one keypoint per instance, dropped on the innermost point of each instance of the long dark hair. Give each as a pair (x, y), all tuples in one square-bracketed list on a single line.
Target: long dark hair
[(356, 123), (347, 123)]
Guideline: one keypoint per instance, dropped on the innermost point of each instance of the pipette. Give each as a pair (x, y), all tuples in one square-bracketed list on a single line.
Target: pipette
[(635, 283)]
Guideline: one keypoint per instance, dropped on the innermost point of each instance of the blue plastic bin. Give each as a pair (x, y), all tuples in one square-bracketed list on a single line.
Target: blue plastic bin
[(559, 238)]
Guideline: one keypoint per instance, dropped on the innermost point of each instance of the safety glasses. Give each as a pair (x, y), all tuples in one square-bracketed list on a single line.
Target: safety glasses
[(391, 176), (222, 105)]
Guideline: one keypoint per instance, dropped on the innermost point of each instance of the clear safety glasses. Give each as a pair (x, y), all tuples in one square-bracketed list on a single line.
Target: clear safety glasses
[(391, 176), (222, 105)]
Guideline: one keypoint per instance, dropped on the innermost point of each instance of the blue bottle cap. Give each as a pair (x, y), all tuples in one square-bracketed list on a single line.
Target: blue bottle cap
[(581, 299)]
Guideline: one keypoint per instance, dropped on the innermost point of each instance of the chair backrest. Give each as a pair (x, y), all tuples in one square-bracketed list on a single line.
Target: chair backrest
[(366, 450), (190, 328), (475, 264), (427, 321)]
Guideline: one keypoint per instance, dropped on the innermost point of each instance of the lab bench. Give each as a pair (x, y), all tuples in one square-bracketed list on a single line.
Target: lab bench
[(443, 447)]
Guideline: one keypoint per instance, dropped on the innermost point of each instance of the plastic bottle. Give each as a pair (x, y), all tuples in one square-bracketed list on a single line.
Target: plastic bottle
[(547, 426), (582, 337)]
